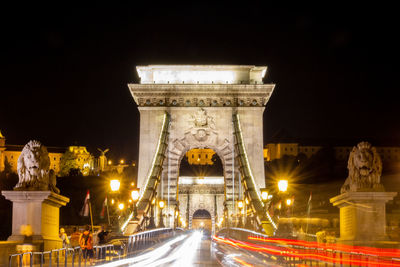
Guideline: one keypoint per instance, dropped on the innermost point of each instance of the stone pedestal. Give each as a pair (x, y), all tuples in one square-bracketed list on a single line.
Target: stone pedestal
[(41, 210), (362, 216)]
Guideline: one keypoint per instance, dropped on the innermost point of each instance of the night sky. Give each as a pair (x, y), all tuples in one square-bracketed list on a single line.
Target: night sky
[(64, 69)]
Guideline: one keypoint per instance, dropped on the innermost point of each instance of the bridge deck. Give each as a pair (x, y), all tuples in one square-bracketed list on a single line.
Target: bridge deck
[(203, 256)]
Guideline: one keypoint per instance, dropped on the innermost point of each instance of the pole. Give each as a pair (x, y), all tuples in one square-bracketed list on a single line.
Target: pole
[(108, 213), (91, 217)]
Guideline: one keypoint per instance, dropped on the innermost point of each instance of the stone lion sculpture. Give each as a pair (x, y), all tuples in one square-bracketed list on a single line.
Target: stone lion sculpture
[(365, 169), (33, 169)]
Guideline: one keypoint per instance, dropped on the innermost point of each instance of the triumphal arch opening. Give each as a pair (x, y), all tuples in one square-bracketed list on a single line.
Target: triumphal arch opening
[(185, 107)]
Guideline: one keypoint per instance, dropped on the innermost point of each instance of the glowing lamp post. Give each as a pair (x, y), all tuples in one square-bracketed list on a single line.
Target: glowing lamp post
[(161, 205), (135, 197), (176, 218), (226, 216), (264, 194), (283, 185), (264, 198), (240, 206), (152, 225), (115, 184)]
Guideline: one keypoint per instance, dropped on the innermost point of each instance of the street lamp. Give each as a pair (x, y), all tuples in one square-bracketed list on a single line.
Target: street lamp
[(226, 216), (283, 185), (135, 197), (240, 206), (264, 198), (176, 218), (264, 194), (161, 205), (152, 225), (115, 184)]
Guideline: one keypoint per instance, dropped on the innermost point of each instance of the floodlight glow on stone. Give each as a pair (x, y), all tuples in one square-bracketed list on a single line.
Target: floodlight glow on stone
[(201, 74)]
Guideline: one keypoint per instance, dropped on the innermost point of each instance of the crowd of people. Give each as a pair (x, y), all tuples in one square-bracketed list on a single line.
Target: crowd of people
[(86, 240)]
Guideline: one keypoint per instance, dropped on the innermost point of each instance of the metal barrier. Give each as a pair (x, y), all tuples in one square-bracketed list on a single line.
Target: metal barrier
[(130, 245), (62, 257), (141, 240)]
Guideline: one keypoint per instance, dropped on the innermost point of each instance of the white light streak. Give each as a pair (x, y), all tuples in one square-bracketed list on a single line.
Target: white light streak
[(145, 259), (126, 222), (181, 255)]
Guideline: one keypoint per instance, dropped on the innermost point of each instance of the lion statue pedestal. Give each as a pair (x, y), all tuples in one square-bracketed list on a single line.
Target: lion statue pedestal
[(35, 198), (41, 210), (363, 198)]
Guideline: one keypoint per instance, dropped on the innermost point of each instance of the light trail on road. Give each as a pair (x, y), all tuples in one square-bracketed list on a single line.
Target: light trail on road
[(177, 252)]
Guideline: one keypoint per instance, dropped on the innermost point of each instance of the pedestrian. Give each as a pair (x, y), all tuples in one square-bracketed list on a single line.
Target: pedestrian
[(86, 243), (102, 237), (64, 238), (95, 237), (74, 239)]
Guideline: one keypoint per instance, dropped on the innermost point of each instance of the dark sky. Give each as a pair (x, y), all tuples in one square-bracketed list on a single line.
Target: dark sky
[(64, 68)]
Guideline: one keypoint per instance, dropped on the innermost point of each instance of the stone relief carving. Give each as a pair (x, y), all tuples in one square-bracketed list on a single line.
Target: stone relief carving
[(201, 125), (34, 169), (365, 169)]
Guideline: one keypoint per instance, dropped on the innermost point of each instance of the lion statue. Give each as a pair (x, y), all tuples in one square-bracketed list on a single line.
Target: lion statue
[(33, 169), (365, 169)]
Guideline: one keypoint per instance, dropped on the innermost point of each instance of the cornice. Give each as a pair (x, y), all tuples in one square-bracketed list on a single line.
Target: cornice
[(201, 94)]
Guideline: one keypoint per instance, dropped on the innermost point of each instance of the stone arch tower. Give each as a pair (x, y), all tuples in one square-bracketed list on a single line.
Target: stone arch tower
[(201, 101)]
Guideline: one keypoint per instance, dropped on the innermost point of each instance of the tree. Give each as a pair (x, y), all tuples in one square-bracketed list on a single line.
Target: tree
[(7, 166), (68, 163)]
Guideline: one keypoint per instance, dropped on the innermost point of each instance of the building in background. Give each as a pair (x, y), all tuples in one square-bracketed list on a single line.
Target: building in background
[(9, 155), (273, 151), (199, 156), (84, 159)]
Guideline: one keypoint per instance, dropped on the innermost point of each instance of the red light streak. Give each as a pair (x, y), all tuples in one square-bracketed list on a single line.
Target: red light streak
[(379, 252), (242, 262), (303, 253)]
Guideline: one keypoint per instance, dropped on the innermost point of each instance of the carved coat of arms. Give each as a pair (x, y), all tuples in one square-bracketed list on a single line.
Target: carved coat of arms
[(201, 125)]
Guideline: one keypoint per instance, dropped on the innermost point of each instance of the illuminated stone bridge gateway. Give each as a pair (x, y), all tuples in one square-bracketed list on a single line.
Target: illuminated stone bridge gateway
[(199, 106)]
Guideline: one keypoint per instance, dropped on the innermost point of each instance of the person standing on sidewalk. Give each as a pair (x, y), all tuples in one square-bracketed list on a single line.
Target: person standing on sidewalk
[(86, 243)]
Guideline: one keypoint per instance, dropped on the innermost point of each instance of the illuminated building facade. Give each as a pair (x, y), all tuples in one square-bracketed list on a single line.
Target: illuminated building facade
[(84, 159), (9, 154)]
